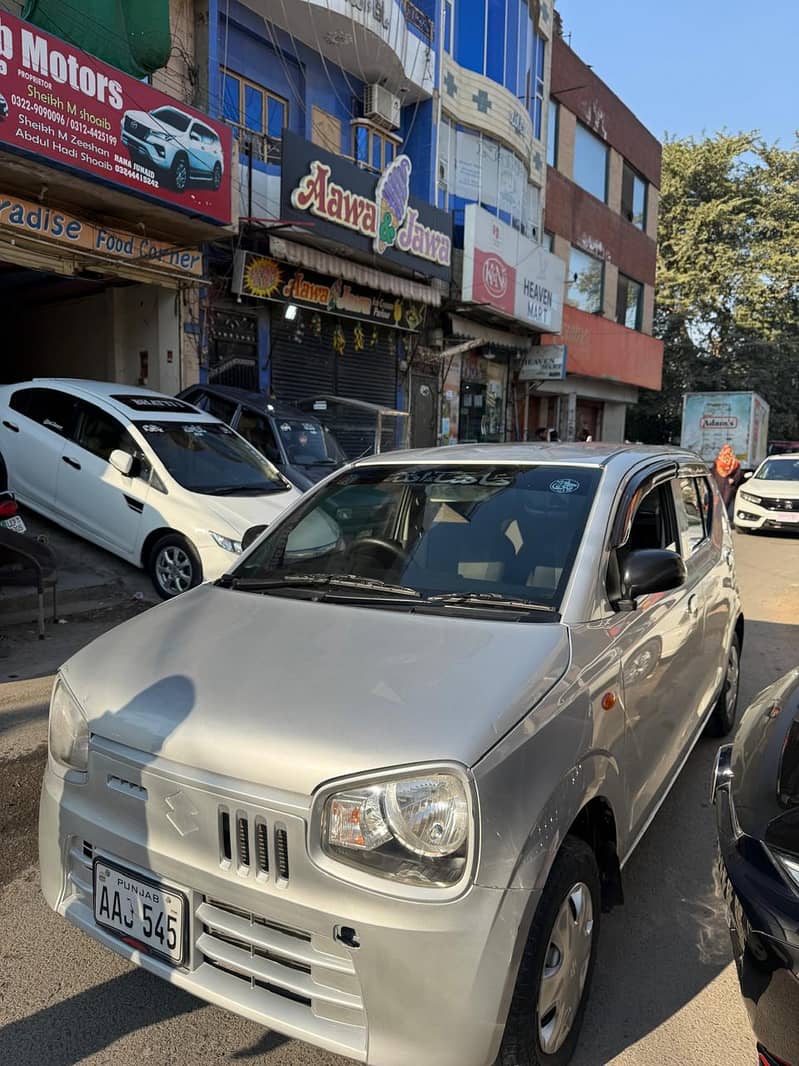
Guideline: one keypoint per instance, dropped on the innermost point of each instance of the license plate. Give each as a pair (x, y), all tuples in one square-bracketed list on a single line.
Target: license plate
[(140, 911), (785, 517), (14, 523)]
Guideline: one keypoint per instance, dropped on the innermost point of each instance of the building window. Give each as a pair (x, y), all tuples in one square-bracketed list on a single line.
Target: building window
[(629, 303), (549, 241), (372, 149), (586, 281), (553, 132), (448, 26), (538, 65), (257, 115), (591, 163), (633, 196)]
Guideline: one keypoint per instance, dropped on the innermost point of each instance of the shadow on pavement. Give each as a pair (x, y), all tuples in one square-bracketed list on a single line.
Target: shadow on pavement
[(670, 939)]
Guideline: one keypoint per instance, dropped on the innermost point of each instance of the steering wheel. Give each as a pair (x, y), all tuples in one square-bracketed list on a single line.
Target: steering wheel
[(378, 542)]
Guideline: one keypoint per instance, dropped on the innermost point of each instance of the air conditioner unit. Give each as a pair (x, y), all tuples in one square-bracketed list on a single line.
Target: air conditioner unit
[(381, 107)]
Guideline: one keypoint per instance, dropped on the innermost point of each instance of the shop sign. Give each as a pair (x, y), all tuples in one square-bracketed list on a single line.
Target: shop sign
[(511, 273), (64, 107), (269, 279), (544, 364), (369, 212), (22, 218)]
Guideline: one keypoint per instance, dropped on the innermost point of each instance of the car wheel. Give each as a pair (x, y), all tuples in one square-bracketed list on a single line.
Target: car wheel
[(179, 174), (174, 566), (551, 991), (722, 719), (216, 176)]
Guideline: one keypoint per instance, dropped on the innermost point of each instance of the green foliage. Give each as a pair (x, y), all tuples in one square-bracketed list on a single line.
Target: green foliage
[(728, 279)]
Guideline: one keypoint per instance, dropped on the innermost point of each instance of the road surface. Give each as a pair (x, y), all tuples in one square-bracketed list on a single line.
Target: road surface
[(664, 993)]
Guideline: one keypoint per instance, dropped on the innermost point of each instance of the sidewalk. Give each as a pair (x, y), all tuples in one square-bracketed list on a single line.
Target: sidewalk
[(89, 578)]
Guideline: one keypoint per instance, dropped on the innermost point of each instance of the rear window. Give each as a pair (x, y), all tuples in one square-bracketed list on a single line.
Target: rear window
[(51, 408)]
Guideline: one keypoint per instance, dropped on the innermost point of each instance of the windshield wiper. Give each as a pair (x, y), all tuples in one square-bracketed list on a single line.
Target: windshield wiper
[(488, 599), (231, 490), (347, 581)]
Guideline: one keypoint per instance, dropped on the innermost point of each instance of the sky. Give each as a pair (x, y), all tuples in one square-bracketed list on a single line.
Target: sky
[(689, 67)]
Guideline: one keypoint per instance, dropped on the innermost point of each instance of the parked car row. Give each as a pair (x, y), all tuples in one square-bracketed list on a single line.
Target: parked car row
[(426, 716)]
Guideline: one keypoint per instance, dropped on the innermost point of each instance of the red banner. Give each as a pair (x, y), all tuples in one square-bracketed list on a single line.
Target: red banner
[(63, 106)]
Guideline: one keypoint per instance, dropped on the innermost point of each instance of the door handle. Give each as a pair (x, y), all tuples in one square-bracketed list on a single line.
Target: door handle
[(693, 604), (71, 462), (11, 426)]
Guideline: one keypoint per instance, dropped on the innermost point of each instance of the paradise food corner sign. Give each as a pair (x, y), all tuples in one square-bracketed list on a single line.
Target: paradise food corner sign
[(268, 279), (63, 107), (365, 211)]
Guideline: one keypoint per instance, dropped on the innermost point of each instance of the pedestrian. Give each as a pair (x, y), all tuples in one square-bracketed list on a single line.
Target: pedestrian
[(728, 475), (541, 434)]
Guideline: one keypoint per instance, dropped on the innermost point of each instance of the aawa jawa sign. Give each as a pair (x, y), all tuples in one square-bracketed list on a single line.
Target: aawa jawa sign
[(63, 106), (373, 213)]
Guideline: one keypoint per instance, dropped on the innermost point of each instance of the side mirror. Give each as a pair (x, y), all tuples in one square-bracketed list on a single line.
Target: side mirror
[(121, 461), (651, 570), (250, 536), (748, 474)]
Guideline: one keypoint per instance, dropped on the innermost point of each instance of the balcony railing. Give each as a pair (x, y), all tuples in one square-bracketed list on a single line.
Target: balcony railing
[(422, 22)]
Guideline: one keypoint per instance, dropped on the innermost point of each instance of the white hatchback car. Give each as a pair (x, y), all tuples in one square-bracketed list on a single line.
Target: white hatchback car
[(146, 476), (770, 498)]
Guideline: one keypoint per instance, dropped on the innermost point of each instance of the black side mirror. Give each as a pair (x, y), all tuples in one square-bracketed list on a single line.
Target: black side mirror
[(650, 570), (252, 534)]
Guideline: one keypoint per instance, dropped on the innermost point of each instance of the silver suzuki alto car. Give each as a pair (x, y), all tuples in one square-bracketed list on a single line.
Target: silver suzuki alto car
[(374, 787)]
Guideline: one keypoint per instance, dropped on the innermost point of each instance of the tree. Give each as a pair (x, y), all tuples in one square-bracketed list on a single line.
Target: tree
[(728, 279)]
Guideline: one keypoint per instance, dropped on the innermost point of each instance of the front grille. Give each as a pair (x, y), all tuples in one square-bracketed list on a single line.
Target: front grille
[(783, 504), (279, 961), (135, 129), (251, 844)]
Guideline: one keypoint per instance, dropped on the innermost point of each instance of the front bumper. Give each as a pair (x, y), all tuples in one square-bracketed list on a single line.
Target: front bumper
[(753, 516), (762, 914), (145, 152), (427, 983)]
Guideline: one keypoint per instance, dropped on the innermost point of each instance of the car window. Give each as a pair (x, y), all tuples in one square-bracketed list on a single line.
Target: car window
[(224, 410), (100, 433), (49, 407), (259, 433), (504, 531), (172, 117), (689, 515), (197, 398), (779, 470), (706, 503)]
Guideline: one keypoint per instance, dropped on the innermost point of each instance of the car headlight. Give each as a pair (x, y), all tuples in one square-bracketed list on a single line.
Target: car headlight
[(226, 543), (789, 866), (69, 731), (414, 829), (749, 497)]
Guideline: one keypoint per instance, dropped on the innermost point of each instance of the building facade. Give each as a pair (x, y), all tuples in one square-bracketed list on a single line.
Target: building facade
[(110, 183), (603, 178)]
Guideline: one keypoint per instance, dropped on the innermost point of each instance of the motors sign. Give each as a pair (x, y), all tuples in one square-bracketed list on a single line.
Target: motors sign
[(511, 274), (62, 106)]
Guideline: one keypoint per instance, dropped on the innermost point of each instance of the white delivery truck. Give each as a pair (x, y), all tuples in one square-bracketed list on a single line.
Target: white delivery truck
[(712, 419)]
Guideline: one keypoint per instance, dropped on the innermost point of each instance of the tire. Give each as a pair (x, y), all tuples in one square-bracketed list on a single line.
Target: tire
[(216, 176), (179, 174), (174, 566), (724, 714), (549, 1039)]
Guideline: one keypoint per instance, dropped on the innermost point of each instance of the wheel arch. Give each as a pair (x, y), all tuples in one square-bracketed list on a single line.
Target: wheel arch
[(154, 536)]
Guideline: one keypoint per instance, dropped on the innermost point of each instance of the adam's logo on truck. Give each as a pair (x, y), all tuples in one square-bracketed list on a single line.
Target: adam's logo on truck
[(718, 422)]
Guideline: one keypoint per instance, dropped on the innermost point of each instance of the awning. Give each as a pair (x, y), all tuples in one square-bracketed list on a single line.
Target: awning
[(312, 259), (497, 338)]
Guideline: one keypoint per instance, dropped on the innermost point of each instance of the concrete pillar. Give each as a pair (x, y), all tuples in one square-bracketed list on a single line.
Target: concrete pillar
[(652, 211), (567, 133), (610, 290), (648, 313), (568, 417), (168, 341), (614, 416), (615, 168)]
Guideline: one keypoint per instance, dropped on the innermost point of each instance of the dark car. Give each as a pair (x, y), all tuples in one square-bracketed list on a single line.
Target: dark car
[(756, 793), (298, 444), (3, 107)]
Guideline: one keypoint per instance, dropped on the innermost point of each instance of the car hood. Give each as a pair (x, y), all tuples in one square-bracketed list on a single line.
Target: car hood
[(772, 489), (241, 512), (291, 693), (147, 120)]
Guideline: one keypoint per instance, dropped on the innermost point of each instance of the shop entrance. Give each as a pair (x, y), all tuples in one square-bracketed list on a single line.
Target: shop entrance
[(424, 410), (483, 393)]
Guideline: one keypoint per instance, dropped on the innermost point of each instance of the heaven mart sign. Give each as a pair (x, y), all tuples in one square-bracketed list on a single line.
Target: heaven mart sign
[(22, 218)]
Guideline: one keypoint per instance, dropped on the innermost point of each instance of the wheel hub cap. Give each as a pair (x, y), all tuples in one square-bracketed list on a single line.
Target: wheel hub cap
[(565, 968), (174, 570)]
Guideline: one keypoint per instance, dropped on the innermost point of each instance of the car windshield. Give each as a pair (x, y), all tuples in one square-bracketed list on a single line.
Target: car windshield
[(498, 532), (210, 458), (307, 443), (779, 470), (170, 117)]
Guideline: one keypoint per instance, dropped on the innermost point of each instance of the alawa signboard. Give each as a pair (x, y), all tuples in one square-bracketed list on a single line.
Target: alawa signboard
[(370, 212), (270, 279), (66, 108)]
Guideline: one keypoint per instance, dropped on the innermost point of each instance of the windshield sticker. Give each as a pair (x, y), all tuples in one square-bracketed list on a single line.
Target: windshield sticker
[(449, 477), (564, 485), (309, 427), (285, 427), (151, 428), (195, 431)]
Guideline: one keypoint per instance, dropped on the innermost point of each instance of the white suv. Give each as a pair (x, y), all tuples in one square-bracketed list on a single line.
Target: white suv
[(147, 476)]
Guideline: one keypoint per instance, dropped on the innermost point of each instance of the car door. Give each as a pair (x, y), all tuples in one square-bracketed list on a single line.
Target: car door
[(659, 644), (98, 500), (257, 429), (200, 160), (35, 429)]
